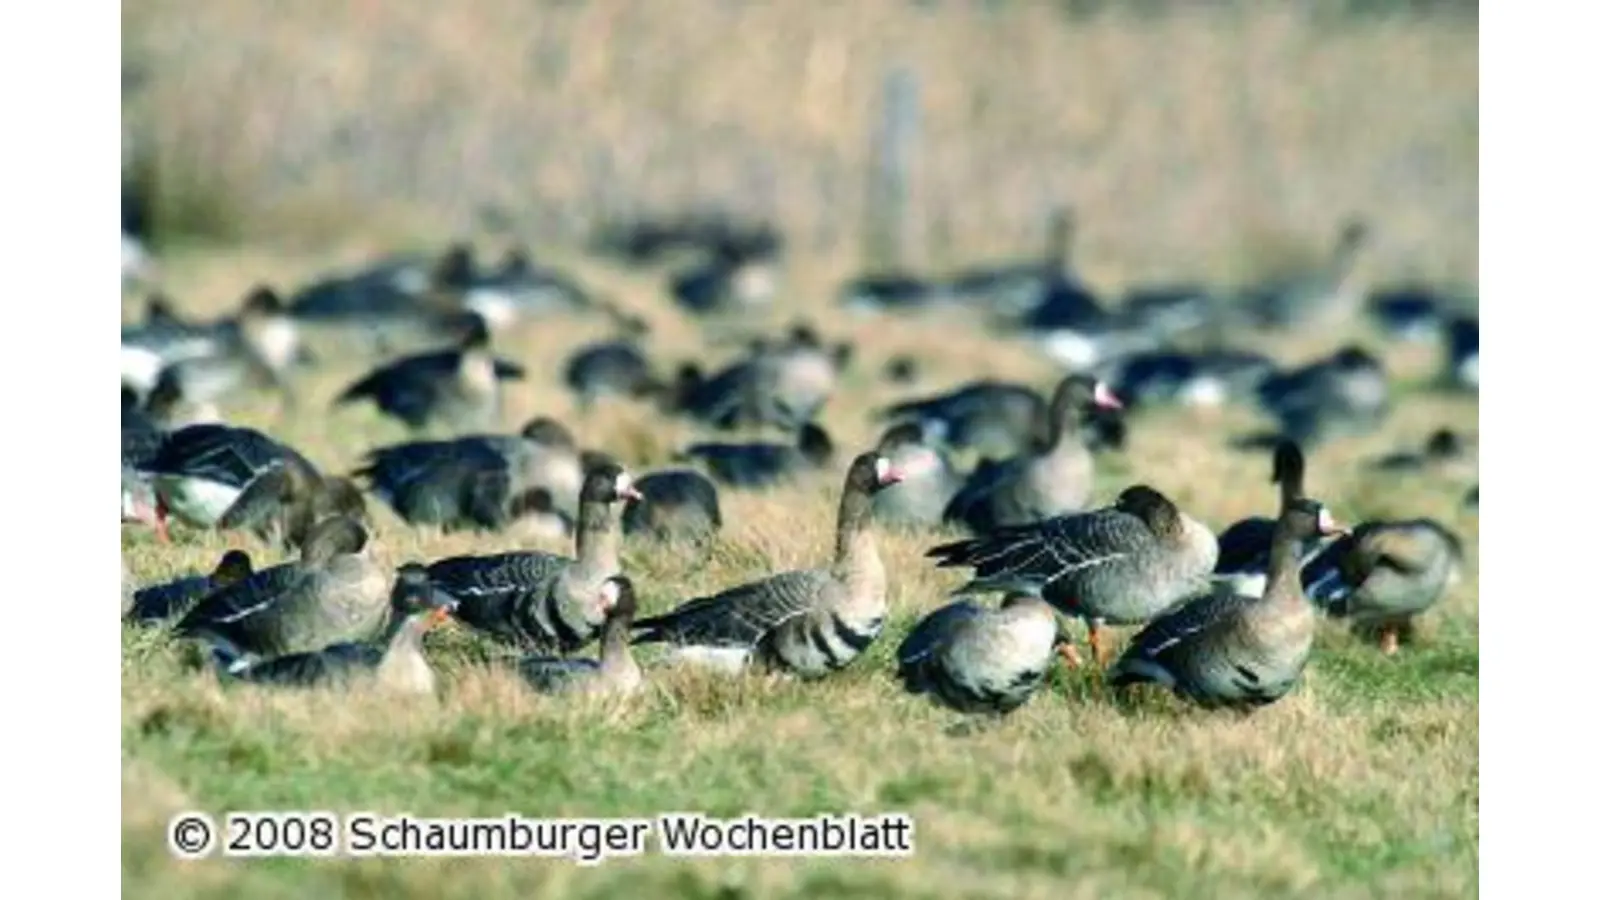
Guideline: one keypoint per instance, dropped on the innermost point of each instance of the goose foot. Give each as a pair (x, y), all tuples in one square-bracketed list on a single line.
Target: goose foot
[(1069, 654), (1097, 645), (1389, 640)]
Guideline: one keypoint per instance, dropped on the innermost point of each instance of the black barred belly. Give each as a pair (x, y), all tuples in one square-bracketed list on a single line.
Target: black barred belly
[(812, 646)]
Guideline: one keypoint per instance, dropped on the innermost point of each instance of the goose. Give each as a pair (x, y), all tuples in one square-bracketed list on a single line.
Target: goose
[(140, 503), (785, 385), (1009, 292), (1383, 574), (995, 418), (1122, 564), (763, 465), (283, 503), (540, 601), (393, 659), (977, 660), (731, 278), (334, 592), (1410, 312), (1230, 649), (1207, 378), (200, 471), (255, 349), (890, 292), (163, 339), (448, 482), (1169, 311), (611, 368), (518, 289), (141, 435), (457, 389), (170, 599), (928, 480), (1461, 353), (1053, 478), (1445, 450), (1318, 296), (1341, 395), (808, 622), (1244, 549), (389, 307), (651, 240), (615, 672), (675, 504)]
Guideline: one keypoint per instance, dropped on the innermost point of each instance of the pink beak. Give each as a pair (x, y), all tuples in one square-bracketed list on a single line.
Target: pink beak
[(631, 493), (1103, 397), (893, 475)]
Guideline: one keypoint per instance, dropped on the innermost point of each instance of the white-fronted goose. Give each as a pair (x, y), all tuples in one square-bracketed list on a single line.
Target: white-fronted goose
[(995, 418), (1053, 479), (784, 385), (762, 465), (1122, 565), (140, 503), (543, 602), (1229, 649), (1245, 548), (141, 435), (1384, 574), (518, 289), (160, 602), (1007, 292), (457, 389), (612, 368), (928, 480), (1201, 379), (282, 504), (1341, 395), (393, 659), (614, 672), (334, 592), (679, 504), (973, 659), (733, 277), (1324, 294), (200, 471), (809, 622)]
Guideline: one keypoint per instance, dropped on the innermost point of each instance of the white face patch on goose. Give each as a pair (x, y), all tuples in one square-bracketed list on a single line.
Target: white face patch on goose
[(624, 484), (1325, 523), (609, 594)]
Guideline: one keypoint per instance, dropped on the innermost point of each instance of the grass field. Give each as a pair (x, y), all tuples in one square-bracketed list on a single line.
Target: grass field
[(1362, 783)]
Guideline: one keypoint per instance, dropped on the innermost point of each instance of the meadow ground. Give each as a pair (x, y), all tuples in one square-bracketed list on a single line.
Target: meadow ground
[(1362, 783)]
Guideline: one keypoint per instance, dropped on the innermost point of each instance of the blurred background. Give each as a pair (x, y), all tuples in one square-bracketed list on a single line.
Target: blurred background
[(1216, 137)]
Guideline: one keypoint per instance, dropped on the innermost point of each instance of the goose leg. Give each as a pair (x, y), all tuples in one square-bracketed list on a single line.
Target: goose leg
[(1097, 642), (1069, 654), (1389, 640)]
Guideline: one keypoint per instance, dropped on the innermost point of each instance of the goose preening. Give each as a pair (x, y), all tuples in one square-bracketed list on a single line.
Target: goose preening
[(615, 672), (677, 504), (1383, 574), (809, 622), (170, 599), (1244, 549), (1053, 478), (334, 592), (392, 659), (1122, 565), (764, 464), (973, 659), (472, 481), (457, 389), (540, 601), (201, 472), (1320, 295), (1341, 395), (1231, 649), (928, 480)]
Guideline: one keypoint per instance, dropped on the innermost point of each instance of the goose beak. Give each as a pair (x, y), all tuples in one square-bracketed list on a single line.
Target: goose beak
[(632, 493), (892, 475), (1331, 526), (1103, 397)]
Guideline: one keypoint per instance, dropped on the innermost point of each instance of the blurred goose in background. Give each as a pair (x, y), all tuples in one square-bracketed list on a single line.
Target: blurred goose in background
[(977, 660), (200, 471), (651, 240), (170, 599), (1123, 564), (994, 418), (808, 622), (392, 659), (518, 290), (1244, 554), (891, 292), (457, 389), (141, 441), (1230, 649), (762, 465), (1054, 477), (733, 277), (539, 601), (679, 504), (1206, 378), (617, 367), (1461, 353), (161, 340), (334, 592), (784, 385), (1342, 395), (284, 503), (1008, 292), (615, 672), (1383, 574), (454, 483), (1445, 451), (1322, 295), (1410, 312), (1168, 311), (927, 483), (395, 305)]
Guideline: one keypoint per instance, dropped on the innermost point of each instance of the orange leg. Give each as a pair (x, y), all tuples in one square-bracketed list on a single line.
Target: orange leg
[(1389, 640), (1097, 644), (1069, 653)]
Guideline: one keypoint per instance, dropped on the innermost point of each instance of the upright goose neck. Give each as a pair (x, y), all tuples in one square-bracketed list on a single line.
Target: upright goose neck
[(1060, 429), (855, 553), (616, 657), (1283, 568), (599, 536)]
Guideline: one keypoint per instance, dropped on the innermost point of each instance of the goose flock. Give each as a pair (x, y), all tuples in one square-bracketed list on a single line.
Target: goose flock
[(1222, 617)]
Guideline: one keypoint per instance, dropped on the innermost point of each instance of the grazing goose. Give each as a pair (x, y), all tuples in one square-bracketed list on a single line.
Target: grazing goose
[(1122, 564), (973, 659), (393, 660), (1053, 479), (160, 602), (763, 465), (518, 290), (201, 471), (992, 417), (1244, 549), (1342, 395), (1229, 649), (1384, 574), (456, 484), (334, 592), (614, 672), (1445, 451), (283, 503), (540, 601), (928, 480), (455, 389), (809, 622), (679, 504), (1321, 295)]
